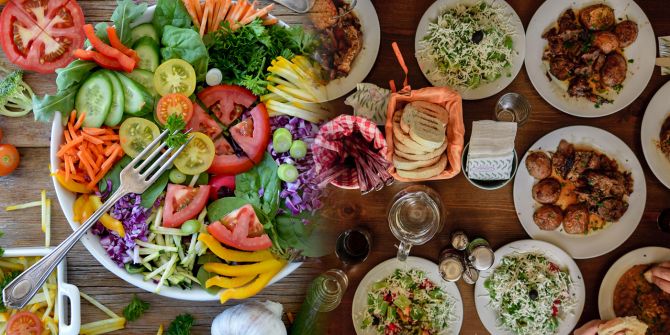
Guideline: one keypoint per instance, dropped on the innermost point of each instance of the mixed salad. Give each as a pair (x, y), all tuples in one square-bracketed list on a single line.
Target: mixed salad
[(407, 302), (530, 293), (241, 199)]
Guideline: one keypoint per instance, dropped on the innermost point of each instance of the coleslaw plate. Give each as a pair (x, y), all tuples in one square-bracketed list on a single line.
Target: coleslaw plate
[(657, 112)]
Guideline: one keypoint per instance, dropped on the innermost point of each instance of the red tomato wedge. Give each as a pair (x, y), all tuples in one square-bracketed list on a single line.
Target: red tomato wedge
[(41, 35), (227, 161), (183, 203), (227, 102), (221, 186), (24, 323), (202, 122), (241, 229), (253, 135)]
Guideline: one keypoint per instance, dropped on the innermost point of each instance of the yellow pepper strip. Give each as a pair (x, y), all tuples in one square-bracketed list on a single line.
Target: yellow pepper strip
[(107, 220), (226, 282), (243, 270), (233, 255), (78, 207), (251, 289), (71, 185), (160, 330)]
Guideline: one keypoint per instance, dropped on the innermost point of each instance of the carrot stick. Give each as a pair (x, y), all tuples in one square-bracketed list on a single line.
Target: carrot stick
[(108, 162), (198, 9), (80, 121), (191, 12), (69, 146), (95, 131), (119, 152), (66, 135), (270, 21), (260, 13), (92, 139), (205, 15), (233, 8), (87, 163), (225, 7), (109, 137), (216, 7)]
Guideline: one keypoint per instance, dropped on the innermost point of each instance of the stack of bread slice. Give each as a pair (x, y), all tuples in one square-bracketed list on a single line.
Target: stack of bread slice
[(420, 140)]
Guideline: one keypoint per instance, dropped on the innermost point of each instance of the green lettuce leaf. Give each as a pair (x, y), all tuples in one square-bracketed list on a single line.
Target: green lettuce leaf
[(185, 44), (68, 81), (171, 13)]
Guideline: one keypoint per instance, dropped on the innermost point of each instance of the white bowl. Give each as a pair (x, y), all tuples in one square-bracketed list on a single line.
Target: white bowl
[(65, 291), (92, 242)]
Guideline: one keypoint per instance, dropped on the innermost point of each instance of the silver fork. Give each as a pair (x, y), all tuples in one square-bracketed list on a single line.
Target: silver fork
[(134, 179)]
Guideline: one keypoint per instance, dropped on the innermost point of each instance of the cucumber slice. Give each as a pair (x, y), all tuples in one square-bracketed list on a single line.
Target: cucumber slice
[(144, 78), (94, 98), (138, 101), (148, 51), (143, 30), (115, 113)]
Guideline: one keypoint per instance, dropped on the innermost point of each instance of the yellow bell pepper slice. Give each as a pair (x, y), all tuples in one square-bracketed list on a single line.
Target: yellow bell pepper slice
[(252, 289), (233, 255), (71, 185), (78, 207), (226, 282), (107, 220), (243, 270)]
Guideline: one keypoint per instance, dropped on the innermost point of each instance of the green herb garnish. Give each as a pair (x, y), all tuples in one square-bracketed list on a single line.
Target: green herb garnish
[(175, 124), (5, 281), (135, 308), (181, 325)]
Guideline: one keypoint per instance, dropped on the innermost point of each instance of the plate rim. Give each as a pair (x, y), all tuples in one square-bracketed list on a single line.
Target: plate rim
[(481, 300), (605, 310), (639, 183), (647, 123), (472, 94)]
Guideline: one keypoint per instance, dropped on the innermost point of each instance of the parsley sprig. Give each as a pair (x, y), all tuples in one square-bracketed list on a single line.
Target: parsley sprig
[(181, 325), (135, 308), (175, 123)]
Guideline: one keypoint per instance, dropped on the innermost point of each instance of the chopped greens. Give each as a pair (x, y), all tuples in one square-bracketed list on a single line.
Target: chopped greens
[(135, 308), (181, 325), (175, 124)]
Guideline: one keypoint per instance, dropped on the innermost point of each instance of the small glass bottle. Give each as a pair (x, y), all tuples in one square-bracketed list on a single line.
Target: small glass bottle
[(324, 295)]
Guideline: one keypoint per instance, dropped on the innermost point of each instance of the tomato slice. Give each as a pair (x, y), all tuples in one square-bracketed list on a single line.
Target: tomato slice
[(174, 103), (241, 229), (183, 203), (227, 102), (197, 156), (202, 122), (41, 35), (253, 135), (227, 161), (175, 76), (24, 323), (135, 134)]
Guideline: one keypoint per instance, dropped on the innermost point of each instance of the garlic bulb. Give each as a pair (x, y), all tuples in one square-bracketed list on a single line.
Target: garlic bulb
[(251, 318)]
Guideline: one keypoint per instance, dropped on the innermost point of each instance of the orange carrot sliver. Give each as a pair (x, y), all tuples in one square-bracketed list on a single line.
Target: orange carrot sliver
[(69, 146), (95, 131), (92, 139), (80, 121)]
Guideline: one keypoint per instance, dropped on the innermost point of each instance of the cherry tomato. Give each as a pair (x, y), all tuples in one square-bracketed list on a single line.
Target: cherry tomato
[(183, 203), (197, 156), (174, 103), (9, 159), (24, 323), (175, 76), (241, 229), (227, 102)]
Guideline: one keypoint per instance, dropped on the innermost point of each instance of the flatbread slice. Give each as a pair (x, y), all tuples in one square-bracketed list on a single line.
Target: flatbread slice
[(406, 164), (425, 172)]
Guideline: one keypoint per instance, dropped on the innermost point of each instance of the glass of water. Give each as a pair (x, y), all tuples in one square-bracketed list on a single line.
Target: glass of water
[(415, 216)]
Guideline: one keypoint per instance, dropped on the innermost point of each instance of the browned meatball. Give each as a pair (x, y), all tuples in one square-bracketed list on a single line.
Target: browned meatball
[(538, 164), (576, 219), (597, 17), (626, 32), (548, 217), (612, 209), (547, 191), (605, 41), (614, 71), (561, 68)]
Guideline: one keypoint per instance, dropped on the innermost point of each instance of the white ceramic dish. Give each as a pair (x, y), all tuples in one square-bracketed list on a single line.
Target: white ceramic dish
[(489, 317), (600, 242), (365, 60), (65, 291), (657, 112), (647, 255), (642, 52), (383, 270), (519, 39), (92, 242)]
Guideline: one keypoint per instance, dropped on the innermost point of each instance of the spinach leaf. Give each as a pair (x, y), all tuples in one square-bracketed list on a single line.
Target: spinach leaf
[(154, 191), (308, 237), (171, 13), (260, 186), (220, 208), (74, 74), (68, 81), (126, 12), (187, 45)]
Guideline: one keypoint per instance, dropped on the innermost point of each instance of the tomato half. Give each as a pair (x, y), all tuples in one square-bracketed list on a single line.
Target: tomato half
[(183, 203), (253, 135), (241, 229), (41, 35), (202, 122), (227, 161), (175, 103), (227, 102), (9, 159), (24, 323), (136, 134)]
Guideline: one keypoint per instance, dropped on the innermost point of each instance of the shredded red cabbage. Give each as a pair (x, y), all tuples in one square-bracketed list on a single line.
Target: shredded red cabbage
[(304, 193)]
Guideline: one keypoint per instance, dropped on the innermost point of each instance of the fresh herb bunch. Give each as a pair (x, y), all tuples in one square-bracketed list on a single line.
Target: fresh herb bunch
[(175, 124), (135, 308), (243, 55), (181, 325)]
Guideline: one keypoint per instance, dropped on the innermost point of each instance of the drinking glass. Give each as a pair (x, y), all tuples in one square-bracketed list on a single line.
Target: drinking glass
[(415, 216)]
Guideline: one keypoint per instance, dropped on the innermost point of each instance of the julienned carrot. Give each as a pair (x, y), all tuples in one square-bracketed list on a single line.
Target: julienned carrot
[(205, 16), (270, 21), (263, 12), (126, 62), (116, 43), (190, 8)]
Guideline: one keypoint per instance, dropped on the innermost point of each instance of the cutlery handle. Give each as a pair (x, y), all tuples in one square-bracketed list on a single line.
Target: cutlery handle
[(665, 61), (21, 290)]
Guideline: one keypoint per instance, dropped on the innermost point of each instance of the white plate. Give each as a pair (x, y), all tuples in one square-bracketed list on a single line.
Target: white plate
[(386, 268), (363, 63), (657, 111), (647, 255), (600, 242), (643, 52), (92, 242), (65, 291), (489, 317), (519, 39)]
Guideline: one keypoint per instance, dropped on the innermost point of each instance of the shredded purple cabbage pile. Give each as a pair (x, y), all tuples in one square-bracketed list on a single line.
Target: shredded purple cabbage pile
[(303, 194), (134, 217)]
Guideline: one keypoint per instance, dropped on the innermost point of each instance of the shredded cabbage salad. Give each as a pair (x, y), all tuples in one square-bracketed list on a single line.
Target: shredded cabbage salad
[(407, 302), (530, 294), (449, 55)]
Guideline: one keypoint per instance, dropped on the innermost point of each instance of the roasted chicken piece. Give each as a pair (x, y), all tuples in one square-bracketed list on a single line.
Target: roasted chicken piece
[(354, 40), (626, 32), (614, 70), (580, 165), (563, 158), (597, 17), (612, 209), (561, 68)]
